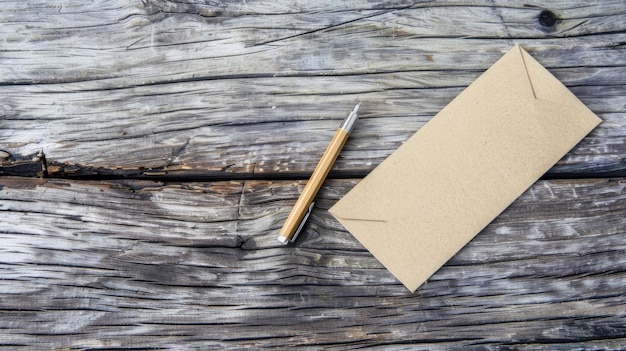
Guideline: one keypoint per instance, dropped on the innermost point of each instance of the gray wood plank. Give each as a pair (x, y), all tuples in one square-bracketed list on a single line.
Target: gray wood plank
[(256, 89), (141, 264)]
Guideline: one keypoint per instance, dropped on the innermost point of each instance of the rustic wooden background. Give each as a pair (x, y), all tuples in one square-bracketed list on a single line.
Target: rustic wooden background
[(151, 149)]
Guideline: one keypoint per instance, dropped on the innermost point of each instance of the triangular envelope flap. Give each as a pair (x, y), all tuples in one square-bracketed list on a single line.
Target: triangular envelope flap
[(544, 85), (363, 205), (506, 79), (559, 112), (459, 171), (549, 90), (378, 238)]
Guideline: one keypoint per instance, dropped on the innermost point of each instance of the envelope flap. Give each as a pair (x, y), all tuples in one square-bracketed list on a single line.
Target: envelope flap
[(547, 88), (556, 106), (386, 240)]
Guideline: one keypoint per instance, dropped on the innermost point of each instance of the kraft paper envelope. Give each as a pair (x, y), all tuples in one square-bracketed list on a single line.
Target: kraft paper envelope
[(464, 167)]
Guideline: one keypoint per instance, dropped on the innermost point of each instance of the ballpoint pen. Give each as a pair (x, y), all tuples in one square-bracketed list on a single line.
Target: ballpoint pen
[(302, 209)]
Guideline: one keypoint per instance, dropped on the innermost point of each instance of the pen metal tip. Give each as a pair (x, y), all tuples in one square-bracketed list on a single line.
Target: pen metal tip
[(349, 122)]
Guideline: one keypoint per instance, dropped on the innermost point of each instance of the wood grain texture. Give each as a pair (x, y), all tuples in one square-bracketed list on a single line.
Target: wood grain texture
[(145, 265), (129, 111), (248, 89)]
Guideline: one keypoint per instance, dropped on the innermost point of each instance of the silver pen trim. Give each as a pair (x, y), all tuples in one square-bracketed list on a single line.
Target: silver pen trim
[(303, 222), (350, 121)]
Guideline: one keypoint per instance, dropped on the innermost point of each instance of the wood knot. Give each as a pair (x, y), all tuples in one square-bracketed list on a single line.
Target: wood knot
[(547, 18)]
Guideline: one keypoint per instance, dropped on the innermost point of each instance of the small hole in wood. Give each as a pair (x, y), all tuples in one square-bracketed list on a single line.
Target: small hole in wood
[(547, 18)]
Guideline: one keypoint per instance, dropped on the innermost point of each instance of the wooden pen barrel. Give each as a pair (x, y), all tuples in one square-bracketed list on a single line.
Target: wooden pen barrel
[(300, 209)]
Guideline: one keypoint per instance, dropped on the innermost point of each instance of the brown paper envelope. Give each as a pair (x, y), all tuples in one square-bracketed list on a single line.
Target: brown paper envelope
[(464, 167)]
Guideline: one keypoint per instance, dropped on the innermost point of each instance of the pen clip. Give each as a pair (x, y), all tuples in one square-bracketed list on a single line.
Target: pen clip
[(306, 216)]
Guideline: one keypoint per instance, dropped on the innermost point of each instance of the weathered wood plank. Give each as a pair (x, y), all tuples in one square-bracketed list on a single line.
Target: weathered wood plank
[(184, 89), (138, 264)]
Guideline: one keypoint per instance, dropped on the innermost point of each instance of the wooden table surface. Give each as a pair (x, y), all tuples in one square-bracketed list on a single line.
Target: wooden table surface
[(150, 151)]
